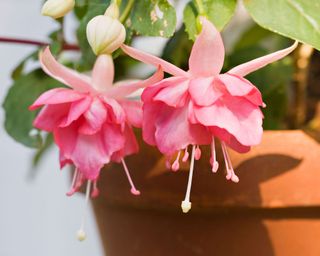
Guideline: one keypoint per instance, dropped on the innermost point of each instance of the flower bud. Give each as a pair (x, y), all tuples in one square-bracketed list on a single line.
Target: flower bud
[(57, 8), (105, 34), (112, 11)]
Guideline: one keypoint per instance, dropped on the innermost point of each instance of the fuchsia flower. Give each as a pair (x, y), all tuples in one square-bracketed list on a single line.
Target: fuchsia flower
[(197, 106), (91, 121)]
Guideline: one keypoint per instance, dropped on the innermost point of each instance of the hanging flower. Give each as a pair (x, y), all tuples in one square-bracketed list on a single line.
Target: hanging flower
[(91, 121), (201, 105)]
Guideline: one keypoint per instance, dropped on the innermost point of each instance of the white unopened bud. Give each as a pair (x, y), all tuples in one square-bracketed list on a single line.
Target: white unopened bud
[(105, 34), (57, 8)]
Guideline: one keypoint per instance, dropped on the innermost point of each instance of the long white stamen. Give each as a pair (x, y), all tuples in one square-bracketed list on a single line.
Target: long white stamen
[(133, 190), (73, 183), (215, 164), (81, 235), (175, 166), (230, 172), (186, 204)]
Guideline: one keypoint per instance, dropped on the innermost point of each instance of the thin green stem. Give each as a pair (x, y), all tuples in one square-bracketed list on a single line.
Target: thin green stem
[(200, 7), (126, 11)]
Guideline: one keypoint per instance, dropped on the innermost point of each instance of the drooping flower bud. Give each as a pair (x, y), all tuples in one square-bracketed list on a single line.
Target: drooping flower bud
[(106, 33), (57, 8)]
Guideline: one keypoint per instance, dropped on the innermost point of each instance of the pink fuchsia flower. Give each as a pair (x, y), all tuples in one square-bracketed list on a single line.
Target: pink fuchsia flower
[(197, 106), (92, 120)]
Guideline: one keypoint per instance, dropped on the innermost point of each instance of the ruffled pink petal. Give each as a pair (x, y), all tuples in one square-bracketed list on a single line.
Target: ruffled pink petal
[(133, 111), (125, 88), (229, 139), (63, 74), (237, 115), (116, 113), (175, 94), (131, 146), (207, 55), (153, 60), (77, 108), (94, 118), (150, 113), (51, 116), (63, 160), (253, 65), (204, 91), (57, 96), (113, 138), (174, 132), (150, 92), (103, 73), (239, 86)]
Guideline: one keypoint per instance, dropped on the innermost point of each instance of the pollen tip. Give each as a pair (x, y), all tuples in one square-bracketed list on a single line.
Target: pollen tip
[(135, 192), (185, 206), (235, 178), (81, 235), (197, 155), (95, 193), (215, 167), (71, 192), (175, 166)]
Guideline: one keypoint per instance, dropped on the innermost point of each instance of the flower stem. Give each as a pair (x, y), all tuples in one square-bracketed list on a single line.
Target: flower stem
[(126, 11), (200, 7), (66, 46)]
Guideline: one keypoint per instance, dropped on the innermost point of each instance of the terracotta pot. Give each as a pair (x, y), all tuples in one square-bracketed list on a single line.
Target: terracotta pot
[(274, 210)]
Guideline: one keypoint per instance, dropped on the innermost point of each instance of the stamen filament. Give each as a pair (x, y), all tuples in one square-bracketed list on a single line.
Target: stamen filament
[(186, 204), (175, 166), (133, 190), (81, 235), (72, 187), (230, 172), (215, 164)]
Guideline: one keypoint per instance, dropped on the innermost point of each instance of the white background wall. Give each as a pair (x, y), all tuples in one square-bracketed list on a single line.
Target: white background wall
[(36, 218)]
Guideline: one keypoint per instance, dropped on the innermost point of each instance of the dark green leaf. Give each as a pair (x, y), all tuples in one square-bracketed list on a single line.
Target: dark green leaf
[(18, 119), (153, 18)]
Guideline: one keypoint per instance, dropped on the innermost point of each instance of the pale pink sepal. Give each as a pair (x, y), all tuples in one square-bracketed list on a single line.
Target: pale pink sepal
[(253, 65), (103, 73), (63, 74), (153, 60), (207, 55)]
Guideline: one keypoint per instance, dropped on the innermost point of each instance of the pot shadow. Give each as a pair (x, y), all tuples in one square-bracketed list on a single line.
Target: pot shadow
[(223, 221)]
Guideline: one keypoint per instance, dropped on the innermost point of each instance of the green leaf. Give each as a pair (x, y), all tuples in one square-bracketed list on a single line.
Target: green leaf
[(18, 70), (153, 18), (219, 12), (296, 19), (18, 119)]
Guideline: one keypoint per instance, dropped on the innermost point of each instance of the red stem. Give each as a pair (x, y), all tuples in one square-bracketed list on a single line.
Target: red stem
[(70, 47)]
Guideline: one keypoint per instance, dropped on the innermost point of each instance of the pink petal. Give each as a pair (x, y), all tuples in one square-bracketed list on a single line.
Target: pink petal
[(77, 108), (229, 139), (113, 138), (133, 111), (204, 91), (94, 118), (57, 96), (123, 88), (153, 60), (237, 115), (238, 86), (63, 160), (63, 74), (150, 114), (207, 55), (175, 94), (131, 146), (174, 131), (115, 110), (51, 116), (103, 73), (253, 65)]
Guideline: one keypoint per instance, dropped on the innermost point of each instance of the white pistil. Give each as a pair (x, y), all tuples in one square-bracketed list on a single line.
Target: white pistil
[(230, 172), (81, 234), (215, 164), (133, 190), (186, 204), (175, 166), (186, 155), (72, 187)]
